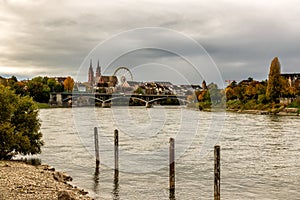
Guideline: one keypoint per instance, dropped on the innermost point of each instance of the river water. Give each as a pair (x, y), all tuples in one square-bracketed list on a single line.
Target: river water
[(260, 156)]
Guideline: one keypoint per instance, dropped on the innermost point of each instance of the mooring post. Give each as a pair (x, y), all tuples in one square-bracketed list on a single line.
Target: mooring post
[(96, 147), (116, 185), (116, 150), (172, 167), (217, 173)]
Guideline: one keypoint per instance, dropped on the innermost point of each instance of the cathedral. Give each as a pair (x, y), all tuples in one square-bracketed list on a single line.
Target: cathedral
[(92, 79)]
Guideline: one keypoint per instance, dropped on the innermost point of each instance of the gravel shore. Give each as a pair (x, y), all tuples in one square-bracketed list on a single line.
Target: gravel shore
[(19, 180)]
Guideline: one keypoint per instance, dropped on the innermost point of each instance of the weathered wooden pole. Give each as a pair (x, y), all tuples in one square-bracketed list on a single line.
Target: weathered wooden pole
[(96, 147), (172, 167), (116, 150), (217, 173), (116, 185)]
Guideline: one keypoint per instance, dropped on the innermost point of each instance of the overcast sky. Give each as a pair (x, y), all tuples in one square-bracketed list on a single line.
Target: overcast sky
[(59, 37)]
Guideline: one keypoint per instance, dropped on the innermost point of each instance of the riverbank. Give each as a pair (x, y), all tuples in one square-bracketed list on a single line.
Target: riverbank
[(284, 112), (19, 180)]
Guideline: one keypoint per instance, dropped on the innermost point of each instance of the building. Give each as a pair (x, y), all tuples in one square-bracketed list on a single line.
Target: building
[(293, 79), (91, 74), (92, 78), (98, 73), (107, 81), (60, 79)]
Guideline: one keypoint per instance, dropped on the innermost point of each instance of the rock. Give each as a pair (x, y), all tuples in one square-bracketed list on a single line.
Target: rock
[(264, 112), (62, 177), (66, 195), (291, 110), (48, 168), (83, 192)]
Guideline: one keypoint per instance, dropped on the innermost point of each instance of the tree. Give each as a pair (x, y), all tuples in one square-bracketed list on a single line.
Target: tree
[(20, 88), (274, 86), (204, 87), (68, 84), (38, 90), (230, 94), (215, 93), (20, 126), (54, 85), (139, 90)]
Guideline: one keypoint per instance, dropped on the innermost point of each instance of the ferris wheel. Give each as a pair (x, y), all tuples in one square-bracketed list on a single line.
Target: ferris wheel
[(123, 74)]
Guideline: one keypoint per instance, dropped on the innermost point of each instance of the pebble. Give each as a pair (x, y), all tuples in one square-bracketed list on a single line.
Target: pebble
[(22, 181)]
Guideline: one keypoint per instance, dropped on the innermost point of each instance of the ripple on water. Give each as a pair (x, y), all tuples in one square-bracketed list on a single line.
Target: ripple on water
[(259, 154)]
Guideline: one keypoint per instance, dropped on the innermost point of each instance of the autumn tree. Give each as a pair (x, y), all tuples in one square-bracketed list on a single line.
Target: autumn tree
[(69, 84), (274, 86), (230, 95), (20, 126)]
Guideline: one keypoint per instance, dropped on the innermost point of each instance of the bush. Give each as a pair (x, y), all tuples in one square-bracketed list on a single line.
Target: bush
[(20, 126), (262, 99), (294, 104), (234, 104)]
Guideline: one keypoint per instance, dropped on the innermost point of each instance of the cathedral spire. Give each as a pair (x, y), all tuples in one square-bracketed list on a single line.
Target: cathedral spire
[(91, 74), (98, 71)]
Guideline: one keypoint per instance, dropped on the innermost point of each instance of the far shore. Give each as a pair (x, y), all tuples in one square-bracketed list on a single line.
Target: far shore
[(264, 112), (283, 112)]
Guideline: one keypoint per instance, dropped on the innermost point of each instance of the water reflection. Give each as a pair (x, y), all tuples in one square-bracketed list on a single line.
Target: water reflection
[(96, 180), (115, 191), (172, 194)]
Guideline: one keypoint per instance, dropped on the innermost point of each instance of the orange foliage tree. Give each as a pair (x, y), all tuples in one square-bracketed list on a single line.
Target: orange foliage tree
[(69, 84)]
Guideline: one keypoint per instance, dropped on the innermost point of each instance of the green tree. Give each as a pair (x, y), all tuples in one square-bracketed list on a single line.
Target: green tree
[(274, 86), (20, 126), (54, 85), (12, 81), (51, 82), (38, 90), (20, 88), (215, 93), (139, 91)]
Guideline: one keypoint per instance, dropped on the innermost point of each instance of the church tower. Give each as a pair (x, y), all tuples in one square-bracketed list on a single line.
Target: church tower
[(98, 72), (91, 74)]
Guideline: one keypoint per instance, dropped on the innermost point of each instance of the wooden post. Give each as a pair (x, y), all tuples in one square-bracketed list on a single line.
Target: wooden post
[(116, 150), (116, 185), (96, 147), (172, 167), (217, 173)]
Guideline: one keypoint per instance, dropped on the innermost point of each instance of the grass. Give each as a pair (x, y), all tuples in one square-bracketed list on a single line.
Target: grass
[(43, 105), (294, 104)]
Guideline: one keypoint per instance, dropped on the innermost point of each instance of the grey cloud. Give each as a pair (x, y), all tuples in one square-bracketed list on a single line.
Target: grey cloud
[(240, 37)]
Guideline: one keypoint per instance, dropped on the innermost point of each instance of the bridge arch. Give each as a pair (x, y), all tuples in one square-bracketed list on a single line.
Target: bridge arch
[(126, 97)]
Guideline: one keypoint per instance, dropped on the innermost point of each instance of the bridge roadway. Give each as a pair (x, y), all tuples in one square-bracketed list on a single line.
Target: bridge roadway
[(63, 98)]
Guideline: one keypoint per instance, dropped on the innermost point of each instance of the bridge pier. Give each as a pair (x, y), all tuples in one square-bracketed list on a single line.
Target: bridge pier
[(148, 105), (106, 104), (55, 98), (59, 99)]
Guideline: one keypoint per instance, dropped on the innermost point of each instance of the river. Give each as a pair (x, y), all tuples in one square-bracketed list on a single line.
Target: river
[(259, 153)]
